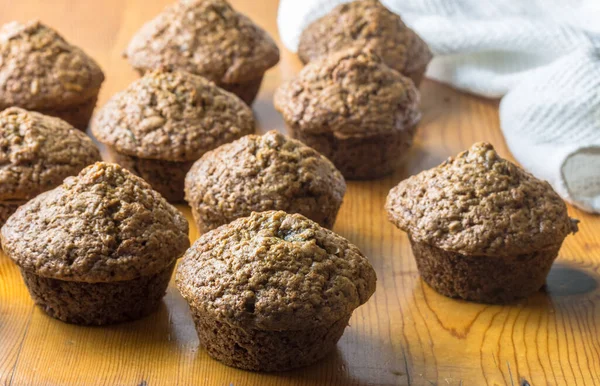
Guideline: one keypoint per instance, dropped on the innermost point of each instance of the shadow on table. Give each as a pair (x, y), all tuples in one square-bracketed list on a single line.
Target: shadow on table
[(357, 360)]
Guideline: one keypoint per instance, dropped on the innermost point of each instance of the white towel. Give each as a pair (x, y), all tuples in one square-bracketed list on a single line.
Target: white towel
[(543, 56)]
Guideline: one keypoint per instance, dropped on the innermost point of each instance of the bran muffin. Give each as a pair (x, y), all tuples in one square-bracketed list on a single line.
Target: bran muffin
[(273, 291), (481, 228), (207, 38), (260, 173), (367, 24), (41, 71), (98, 249), (37, 153), (354, 110), (165, 121)]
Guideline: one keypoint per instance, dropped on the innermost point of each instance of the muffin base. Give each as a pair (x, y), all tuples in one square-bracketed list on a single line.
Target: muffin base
[(416, 76), (259, 350), (78, 116), (362, 158), (166, 177), (483, 279), (7, 208), (247, 91), (98, 303), (323, 213)]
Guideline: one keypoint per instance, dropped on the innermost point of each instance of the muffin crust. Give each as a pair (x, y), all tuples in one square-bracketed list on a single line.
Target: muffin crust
[(367, 24), (36, 153), (259, 173), (204, 37), (275, 271), (171, 116), (104, 225), (349, 94), (478, 203)]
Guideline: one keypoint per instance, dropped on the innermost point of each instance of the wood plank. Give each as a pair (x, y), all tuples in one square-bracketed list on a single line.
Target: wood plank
[(406, 334)]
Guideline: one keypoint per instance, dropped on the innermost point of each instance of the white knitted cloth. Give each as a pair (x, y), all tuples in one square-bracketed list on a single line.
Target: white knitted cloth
[(544, 55)]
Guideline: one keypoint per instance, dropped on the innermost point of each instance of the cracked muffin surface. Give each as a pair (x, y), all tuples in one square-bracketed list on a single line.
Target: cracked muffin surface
[(104, 225), (172, 116), (478, 203), (38, 152), (42, 71), (275, 271), (349, 94), (259, 173), (366, 24), (204, 37)]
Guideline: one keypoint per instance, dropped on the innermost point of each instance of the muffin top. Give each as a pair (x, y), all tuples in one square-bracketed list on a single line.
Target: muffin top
[(365, 23), (204, 37), (40, 70), (103, 225), (38, 152), (351, 93), (172, 116), (480, 204), (275, 271), (258, 173)]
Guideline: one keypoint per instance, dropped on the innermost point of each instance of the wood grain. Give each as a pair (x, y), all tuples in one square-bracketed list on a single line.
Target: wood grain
[(406, 334)]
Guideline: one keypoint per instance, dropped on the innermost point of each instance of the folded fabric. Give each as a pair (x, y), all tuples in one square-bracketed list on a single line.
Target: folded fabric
[(541, 54)]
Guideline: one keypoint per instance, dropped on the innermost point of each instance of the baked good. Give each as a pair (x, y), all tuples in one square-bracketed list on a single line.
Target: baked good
[(207, 38), (367, 24), (41, 71), (37, 153), (165, 121), (481, 228), (98, 249), (273, 291), (259, 173), (354, 110)]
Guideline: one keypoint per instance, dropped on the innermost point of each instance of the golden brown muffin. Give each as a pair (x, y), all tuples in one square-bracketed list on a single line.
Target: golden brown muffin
[(98, 249), (207, 38), (165, 121), (37, 153), (354, 110), (367, 24), (481, 228), (273, 291), (41, 71), (259, 173)]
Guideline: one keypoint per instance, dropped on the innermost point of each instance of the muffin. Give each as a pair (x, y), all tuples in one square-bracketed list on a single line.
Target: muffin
[(37, 153), (98, 249), (40, 71), (367, 24), (480, 227), (207, 38), (273, 291), (164, 122), (354, 110), (260, 173)]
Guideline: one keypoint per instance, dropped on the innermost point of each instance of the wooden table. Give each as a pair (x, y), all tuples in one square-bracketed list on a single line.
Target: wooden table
[(406, 333)]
